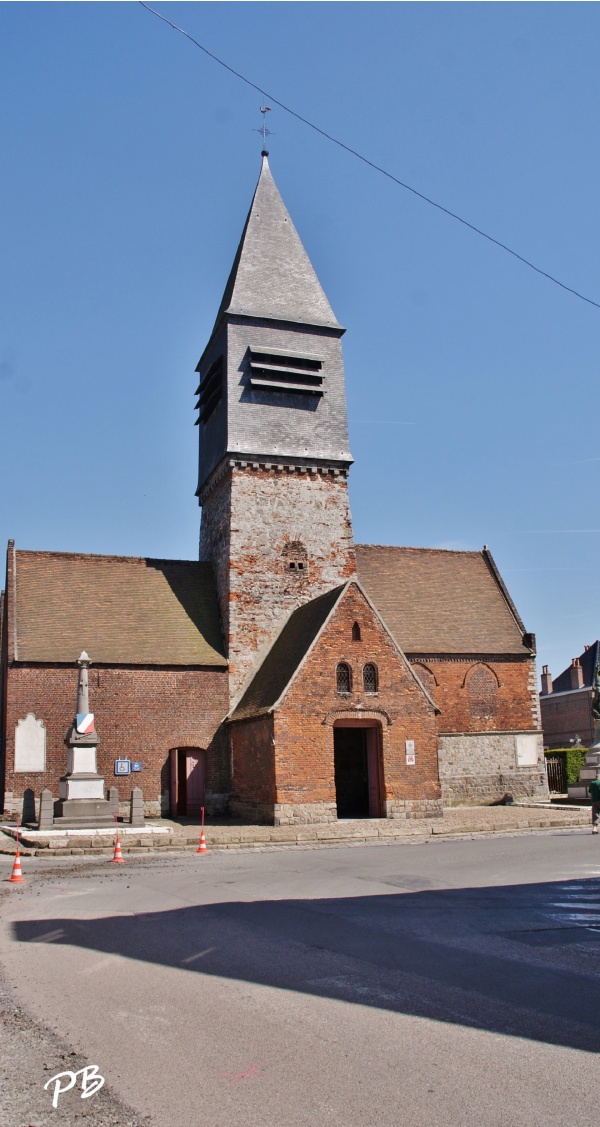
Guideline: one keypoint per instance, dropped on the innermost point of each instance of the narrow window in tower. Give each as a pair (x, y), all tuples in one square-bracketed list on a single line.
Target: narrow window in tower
[(356, 632), (295, 561), (343, 678), (370, 683)]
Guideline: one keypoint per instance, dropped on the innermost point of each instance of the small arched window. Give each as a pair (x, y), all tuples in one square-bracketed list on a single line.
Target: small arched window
[(482, 694), (370, 678), (343, 678), (356, 632)]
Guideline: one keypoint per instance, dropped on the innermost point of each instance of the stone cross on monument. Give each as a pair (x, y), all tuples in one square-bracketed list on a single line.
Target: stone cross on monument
[(81, 800)]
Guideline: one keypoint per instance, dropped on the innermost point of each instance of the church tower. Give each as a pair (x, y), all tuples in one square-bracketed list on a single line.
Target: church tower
[(274, 453)]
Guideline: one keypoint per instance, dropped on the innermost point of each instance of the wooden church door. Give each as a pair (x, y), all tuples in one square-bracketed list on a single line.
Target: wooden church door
[(188, 778)]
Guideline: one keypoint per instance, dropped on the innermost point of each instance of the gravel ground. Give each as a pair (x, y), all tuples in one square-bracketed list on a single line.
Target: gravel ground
[(29, 1055)]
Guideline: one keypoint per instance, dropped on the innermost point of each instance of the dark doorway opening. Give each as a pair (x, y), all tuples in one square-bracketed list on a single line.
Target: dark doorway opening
[(187, 781), (356, 765)]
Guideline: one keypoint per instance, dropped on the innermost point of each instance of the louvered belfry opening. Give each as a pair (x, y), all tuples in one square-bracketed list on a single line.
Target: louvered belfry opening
[(210, 390), (285, 371)]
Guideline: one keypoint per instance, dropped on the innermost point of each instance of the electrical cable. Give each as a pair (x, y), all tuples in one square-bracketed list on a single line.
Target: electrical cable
[(370, 163)]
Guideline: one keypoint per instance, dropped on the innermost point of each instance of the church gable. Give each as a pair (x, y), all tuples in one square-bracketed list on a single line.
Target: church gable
[(354, 664), (300, 644), (334, 683)]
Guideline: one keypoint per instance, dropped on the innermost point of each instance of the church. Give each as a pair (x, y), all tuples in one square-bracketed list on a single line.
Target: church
[(289, 675)]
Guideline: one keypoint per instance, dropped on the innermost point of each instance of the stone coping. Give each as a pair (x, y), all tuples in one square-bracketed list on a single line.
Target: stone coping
[(107, 831)]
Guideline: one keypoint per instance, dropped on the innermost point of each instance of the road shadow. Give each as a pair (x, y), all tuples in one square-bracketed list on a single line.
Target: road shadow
[(473, 957)]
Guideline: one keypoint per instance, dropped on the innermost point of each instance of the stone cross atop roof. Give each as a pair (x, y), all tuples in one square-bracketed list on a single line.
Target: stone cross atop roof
[(272, 275)]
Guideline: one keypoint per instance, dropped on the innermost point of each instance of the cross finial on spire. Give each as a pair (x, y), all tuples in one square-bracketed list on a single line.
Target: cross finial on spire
[(263, 130)]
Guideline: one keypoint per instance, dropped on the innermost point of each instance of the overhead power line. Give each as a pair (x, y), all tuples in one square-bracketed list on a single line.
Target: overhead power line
[(370, 163)]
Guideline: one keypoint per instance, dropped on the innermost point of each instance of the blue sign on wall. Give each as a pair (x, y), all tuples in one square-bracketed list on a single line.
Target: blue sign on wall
[(136, 765), (122, 767)]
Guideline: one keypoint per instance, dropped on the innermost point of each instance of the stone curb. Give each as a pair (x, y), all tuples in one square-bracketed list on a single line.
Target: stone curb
[(266, 837)]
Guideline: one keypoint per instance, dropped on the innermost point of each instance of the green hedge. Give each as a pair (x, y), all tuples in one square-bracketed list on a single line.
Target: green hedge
[(574, 758)]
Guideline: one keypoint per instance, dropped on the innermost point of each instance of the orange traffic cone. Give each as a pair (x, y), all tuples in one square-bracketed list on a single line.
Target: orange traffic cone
[(16, 876), (202, 844), (117, 858)]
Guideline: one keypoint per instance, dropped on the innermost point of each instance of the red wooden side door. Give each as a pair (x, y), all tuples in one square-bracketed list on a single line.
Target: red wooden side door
[(194, 782)]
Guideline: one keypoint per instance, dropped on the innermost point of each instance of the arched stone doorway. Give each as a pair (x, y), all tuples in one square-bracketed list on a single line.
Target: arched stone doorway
[(188, 781), (358, 768)]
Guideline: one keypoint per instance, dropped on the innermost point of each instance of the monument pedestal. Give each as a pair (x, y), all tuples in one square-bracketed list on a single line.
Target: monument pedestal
[(82, 814), (81, 802)]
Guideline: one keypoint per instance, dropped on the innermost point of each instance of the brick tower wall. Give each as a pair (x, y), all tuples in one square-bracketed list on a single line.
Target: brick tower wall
[(257, 521)]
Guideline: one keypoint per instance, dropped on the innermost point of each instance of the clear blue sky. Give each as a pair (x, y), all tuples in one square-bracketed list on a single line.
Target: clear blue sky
[(129, 161)]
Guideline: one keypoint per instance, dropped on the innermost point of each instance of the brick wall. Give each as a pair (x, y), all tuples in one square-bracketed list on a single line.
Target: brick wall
[(253, 777), (485, 706), (303, 725), (513, 705), (249, 520), (140, 714), (567, 715)]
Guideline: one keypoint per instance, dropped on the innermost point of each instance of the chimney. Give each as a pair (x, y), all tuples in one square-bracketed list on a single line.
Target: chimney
[(546, 681), (576, 674)]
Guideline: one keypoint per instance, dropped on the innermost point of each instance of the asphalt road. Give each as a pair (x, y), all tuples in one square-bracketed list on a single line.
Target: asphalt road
[(453, 982)]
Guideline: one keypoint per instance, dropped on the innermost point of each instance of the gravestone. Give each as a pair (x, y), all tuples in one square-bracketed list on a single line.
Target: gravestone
[(46, 818), (136, 807), (28, 815)]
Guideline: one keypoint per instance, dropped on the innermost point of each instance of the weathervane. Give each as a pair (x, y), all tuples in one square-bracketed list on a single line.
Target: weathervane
[(263, 129)]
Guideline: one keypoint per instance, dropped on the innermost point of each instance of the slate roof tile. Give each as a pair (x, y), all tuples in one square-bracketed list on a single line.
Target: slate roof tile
[(272, 275)]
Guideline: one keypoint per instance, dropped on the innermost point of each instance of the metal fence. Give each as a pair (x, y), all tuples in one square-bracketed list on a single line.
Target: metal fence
[(556, 770)]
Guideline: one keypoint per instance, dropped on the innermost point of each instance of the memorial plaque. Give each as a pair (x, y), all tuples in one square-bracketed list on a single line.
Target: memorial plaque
[(30, 745)]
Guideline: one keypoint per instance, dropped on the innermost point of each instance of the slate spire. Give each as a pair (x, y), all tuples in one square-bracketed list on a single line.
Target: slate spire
[(272, 275)]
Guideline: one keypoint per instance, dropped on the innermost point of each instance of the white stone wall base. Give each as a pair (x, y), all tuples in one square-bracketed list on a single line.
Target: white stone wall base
[(405, 809)]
